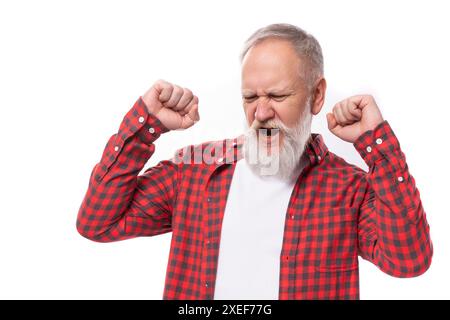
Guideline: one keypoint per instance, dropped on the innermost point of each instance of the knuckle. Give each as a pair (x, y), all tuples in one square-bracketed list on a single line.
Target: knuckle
[(168, 86), (178, 90)]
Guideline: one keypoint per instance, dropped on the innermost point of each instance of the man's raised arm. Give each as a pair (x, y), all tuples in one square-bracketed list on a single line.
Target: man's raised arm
[(393, 232), (119, 204)]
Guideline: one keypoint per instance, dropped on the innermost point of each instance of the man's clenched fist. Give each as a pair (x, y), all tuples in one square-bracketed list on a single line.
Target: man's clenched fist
[(354, 116), (174, 106)]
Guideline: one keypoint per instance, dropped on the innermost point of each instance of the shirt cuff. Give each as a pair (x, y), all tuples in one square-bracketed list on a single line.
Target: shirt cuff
[(138, 121), (378, 144)]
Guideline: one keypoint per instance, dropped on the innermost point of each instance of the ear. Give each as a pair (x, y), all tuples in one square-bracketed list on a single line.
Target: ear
[(318, 96)]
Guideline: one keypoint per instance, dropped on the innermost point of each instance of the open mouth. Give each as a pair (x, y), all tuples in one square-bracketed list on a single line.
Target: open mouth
[(269, 139), (268, 132)]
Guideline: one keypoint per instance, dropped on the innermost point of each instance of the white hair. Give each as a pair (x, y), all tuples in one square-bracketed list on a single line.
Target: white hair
[(306, 46)]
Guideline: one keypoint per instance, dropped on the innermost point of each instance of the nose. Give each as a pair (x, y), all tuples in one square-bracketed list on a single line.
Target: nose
[(264, 111)]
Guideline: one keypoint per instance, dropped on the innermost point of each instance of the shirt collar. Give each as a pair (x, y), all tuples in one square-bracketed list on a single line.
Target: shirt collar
[(316, 149)]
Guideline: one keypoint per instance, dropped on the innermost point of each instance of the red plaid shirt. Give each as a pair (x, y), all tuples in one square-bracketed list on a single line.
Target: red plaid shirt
[(336, 211)]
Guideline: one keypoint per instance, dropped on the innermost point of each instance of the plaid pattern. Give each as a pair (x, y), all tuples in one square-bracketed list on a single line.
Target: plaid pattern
[(336, 211)]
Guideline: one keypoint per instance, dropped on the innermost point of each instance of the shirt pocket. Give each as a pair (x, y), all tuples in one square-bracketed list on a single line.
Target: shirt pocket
[(333, 232)]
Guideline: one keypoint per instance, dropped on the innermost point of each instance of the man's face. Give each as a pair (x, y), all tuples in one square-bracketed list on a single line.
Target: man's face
[(272, 88), (275, 97)]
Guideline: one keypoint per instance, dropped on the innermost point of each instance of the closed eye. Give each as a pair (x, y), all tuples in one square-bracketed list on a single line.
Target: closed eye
[(278, 97), (249, 98)]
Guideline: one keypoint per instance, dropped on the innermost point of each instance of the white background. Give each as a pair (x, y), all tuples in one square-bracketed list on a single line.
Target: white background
[(70, 70)]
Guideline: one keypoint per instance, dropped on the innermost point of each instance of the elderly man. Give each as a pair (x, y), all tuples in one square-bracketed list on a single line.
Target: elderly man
[(272, 214)]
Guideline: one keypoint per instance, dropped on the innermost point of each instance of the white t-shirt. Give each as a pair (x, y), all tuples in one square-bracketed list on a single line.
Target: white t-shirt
[(252, 236)]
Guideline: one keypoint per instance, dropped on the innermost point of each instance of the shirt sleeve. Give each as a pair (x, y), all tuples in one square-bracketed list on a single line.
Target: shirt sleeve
[(119, 203), (393, 232)]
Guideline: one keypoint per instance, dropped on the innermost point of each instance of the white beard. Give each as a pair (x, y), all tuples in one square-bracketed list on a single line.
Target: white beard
[(283, 161)]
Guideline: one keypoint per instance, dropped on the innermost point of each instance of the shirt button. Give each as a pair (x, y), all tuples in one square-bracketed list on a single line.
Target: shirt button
[(141, 119), (220, 160), (209, 199), (379, 141), (116, 148), (400, 179), (151, 130), (206, 284), (292, 217), (369, 149), (319, 158)]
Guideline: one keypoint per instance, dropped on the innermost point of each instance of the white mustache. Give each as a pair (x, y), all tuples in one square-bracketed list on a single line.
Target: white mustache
[(256, 125)]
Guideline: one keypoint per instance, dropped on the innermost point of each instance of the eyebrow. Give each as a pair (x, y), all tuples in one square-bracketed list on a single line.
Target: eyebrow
[(280, 91), (248, 94), (276, 91)]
